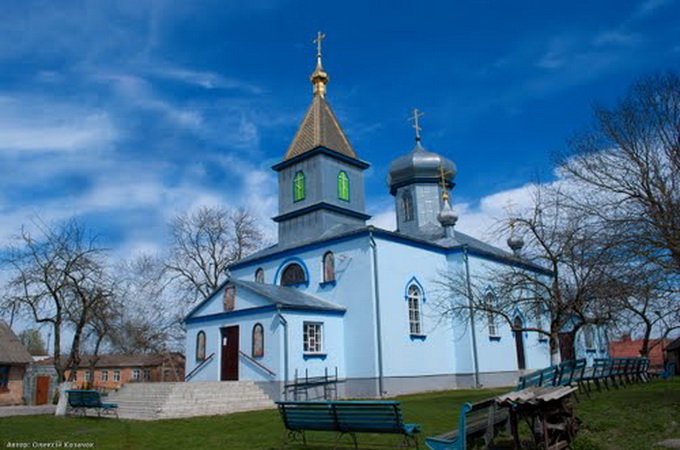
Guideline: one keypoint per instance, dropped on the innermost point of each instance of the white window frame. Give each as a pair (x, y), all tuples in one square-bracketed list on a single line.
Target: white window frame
[(88, 375), (146, 374), (312, 338), (136, 374), (414, 297), (104, 375), (589, 329), (489, 299), (116, 375)]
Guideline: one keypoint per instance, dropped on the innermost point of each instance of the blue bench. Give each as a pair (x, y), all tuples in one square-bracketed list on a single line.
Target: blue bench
[(346, 417), (79, 401), (668, 372), (480, 420)]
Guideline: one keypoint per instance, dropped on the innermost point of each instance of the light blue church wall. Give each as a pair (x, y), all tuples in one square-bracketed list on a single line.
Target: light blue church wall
[(273, 346), (333, 349), (352, 289), (499, 353), (431, 353)]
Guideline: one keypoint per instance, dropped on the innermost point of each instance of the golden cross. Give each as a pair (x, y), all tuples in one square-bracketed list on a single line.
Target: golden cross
[(319, 37), (442, 181), (416, 115)]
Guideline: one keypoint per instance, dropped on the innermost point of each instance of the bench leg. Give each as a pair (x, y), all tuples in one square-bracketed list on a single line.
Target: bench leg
[(354, 439)]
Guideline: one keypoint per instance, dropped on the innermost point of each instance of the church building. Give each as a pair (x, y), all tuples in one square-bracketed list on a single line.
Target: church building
[(337, 294)]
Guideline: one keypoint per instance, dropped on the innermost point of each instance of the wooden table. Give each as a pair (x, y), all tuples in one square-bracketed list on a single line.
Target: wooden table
[(549, 412)]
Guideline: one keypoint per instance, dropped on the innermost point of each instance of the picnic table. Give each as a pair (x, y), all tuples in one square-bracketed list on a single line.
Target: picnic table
[(549, 412)]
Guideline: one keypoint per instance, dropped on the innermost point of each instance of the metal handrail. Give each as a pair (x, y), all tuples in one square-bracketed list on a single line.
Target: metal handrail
[(199, 367), (257, 363)]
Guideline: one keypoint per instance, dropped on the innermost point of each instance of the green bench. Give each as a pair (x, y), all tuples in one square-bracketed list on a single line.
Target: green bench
[(481, 420), (79, 401), (346, 418)]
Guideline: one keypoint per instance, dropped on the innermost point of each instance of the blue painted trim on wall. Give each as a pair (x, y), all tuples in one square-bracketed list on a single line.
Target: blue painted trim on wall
[(415, 281), (321, 356), (230, 314), (286, 262), (320, 150), (388, 236), (494, 338), (318, 206), (418, 337)]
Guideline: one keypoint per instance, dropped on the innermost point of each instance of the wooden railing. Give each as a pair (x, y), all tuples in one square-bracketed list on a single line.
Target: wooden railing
[(199, 367), (257, 363)]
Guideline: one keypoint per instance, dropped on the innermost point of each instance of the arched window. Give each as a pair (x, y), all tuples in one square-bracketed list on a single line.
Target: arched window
[(407, 205), (414, 319), (229, 298), (589, 336), (293, 274), (259, 275), (200, 346), (489, 303), (328, 267), (258, 341), (299, 186), (343, 186)]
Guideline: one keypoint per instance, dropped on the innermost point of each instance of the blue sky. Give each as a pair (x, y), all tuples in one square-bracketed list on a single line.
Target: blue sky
[(127, 112)]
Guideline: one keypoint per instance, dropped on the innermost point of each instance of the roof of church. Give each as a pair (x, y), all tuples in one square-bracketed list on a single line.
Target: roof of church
[(287, 296), (460, 240), (320, 128)]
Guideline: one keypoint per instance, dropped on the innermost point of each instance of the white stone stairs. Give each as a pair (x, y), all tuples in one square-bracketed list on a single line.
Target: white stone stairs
[(152, 401)]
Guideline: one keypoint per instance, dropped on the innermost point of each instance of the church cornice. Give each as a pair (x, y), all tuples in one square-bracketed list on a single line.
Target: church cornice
[(319, 206), (420, 180), (317, 151)]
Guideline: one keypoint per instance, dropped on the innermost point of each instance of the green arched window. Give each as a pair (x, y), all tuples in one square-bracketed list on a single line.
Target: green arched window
[(343, 186), (299, 186)]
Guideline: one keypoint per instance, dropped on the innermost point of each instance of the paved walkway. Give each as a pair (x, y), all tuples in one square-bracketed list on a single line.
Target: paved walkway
[(8, 411)]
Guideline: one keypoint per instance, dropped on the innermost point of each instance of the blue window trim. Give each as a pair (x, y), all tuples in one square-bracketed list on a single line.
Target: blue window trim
[(418, 337), (321, 356), (285, 263), (328, 283), (494, 338), (415, 281)]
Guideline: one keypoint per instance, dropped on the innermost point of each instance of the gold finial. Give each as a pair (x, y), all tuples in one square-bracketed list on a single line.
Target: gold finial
[(319, 77), (442, 182), (416, 115)]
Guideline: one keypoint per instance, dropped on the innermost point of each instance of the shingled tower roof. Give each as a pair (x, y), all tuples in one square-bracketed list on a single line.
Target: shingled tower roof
[(320, 127)]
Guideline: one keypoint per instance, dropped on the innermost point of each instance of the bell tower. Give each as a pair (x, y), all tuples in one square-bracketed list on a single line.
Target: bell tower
[(321, 180)]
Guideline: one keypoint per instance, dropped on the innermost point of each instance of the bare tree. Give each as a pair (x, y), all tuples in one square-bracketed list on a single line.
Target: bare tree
[(151, 319), (205, 243), (627, 166), (58, 278), (573, 290), (649, 308)]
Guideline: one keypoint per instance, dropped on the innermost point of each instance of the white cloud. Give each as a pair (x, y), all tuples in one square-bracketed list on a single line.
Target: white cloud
[(35, 124)]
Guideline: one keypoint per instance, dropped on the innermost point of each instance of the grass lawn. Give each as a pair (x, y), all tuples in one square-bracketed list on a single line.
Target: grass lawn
[(634, 417)]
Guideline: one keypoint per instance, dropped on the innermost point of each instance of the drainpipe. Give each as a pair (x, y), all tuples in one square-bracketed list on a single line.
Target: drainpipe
[(472, 316), (284, 322), (378, 331)]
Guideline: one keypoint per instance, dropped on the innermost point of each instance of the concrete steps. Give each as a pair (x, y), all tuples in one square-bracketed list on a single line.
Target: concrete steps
[(152, 401)]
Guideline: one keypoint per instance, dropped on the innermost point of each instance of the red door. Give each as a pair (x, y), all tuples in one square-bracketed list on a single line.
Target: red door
[(230, 353), (42, 387)]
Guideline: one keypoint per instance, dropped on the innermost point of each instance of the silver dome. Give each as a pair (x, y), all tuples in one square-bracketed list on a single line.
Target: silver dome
[(447, 216), (515, 243), (419, 165)]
